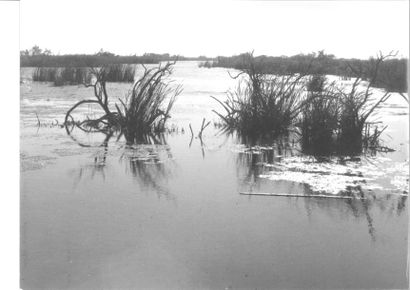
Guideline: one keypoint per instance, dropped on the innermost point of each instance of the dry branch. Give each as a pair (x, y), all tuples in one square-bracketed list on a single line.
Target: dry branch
[(300, 195)]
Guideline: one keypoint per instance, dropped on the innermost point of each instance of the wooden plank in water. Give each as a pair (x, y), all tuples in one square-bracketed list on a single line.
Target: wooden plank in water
[(299, 195)]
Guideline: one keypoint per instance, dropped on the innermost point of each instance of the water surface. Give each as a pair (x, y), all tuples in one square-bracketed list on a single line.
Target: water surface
[(96, 213)]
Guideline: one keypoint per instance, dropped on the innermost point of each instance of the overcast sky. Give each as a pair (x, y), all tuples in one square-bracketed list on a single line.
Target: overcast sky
[(345, 28)]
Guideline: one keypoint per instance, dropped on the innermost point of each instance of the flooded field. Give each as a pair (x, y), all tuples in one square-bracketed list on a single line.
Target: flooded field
[(96, 213)]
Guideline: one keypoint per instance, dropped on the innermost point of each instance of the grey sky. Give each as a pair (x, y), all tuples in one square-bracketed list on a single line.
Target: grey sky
[(344, 28)]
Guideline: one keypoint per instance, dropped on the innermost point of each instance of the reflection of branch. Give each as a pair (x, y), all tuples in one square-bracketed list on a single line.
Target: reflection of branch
[(108, 135), (369, 219), (202, 147), (192, 135), (38, 121), (148, 168), (203, 127)]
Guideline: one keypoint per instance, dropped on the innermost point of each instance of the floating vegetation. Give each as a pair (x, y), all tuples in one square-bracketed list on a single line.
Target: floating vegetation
[(34, 162), (338, 176), (283, 161)]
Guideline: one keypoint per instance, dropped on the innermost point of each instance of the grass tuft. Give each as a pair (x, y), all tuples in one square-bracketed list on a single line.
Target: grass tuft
[(262, 104), (330, 119), (120, 73), (61, 76), (143, 112)]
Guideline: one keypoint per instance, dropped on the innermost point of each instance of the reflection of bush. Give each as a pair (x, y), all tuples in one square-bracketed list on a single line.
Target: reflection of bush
[(150, 166), (360, 209), (254, 161), (258, 155), (149, 162)]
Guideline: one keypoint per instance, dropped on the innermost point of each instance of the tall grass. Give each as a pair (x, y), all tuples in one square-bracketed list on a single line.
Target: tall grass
[(102, 58), (142, 114), (71, 76), (80, 75), (262, 104), (392, 74), (60, 76), (357, 105), (120, 73), (330, 119), (319, 118), (335, 120), (44, 74), (143, 110), (206, 64)]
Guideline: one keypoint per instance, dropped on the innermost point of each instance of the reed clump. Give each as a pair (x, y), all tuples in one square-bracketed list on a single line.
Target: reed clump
[(206, 64), (319, 118), (392, 74), (80, 75), (60, 76), (335, 120), (120, 73), (329, 119), (44, 74), (262, 104), (71, 76), (143, 112)]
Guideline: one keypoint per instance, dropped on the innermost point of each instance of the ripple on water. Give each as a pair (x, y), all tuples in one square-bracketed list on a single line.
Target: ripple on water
[(34, 162)]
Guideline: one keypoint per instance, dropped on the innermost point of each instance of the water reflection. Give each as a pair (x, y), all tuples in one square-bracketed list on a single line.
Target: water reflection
[(365, 208), (151, 165), (280, 167), (255, 159), (150, 161), (265, 165)]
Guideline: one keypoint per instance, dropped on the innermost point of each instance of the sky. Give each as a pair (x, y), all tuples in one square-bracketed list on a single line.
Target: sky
[(356, 29)]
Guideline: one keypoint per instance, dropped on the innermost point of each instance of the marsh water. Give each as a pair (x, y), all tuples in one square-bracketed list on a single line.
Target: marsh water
[(96, 213)]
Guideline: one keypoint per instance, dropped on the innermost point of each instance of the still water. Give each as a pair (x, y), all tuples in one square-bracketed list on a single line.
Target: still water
[(96, 213)]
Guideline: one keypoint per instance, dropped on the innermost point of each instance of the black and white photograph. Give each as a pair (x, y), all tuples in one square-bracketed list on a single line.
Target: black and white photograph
[(213, 144)]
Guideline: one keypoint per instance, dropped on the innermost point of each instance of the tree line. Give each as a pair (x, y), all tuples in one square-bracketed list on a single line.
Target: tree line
[(392, 73), (38, 57)]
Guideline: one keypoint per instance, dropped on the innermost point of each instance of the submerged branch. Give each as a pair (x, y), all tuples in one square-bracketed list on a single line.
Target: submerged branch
[(300, 195)]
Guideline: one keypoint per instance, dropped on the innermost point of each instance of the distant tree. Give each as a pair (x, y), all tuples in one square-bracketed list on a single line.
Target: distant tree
[(35, 51), (102, 52)]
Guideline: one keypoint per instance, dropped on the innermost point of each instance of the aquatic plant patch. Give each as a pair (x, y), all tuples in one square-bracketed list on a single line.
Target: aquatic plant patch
[(336, 177)]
